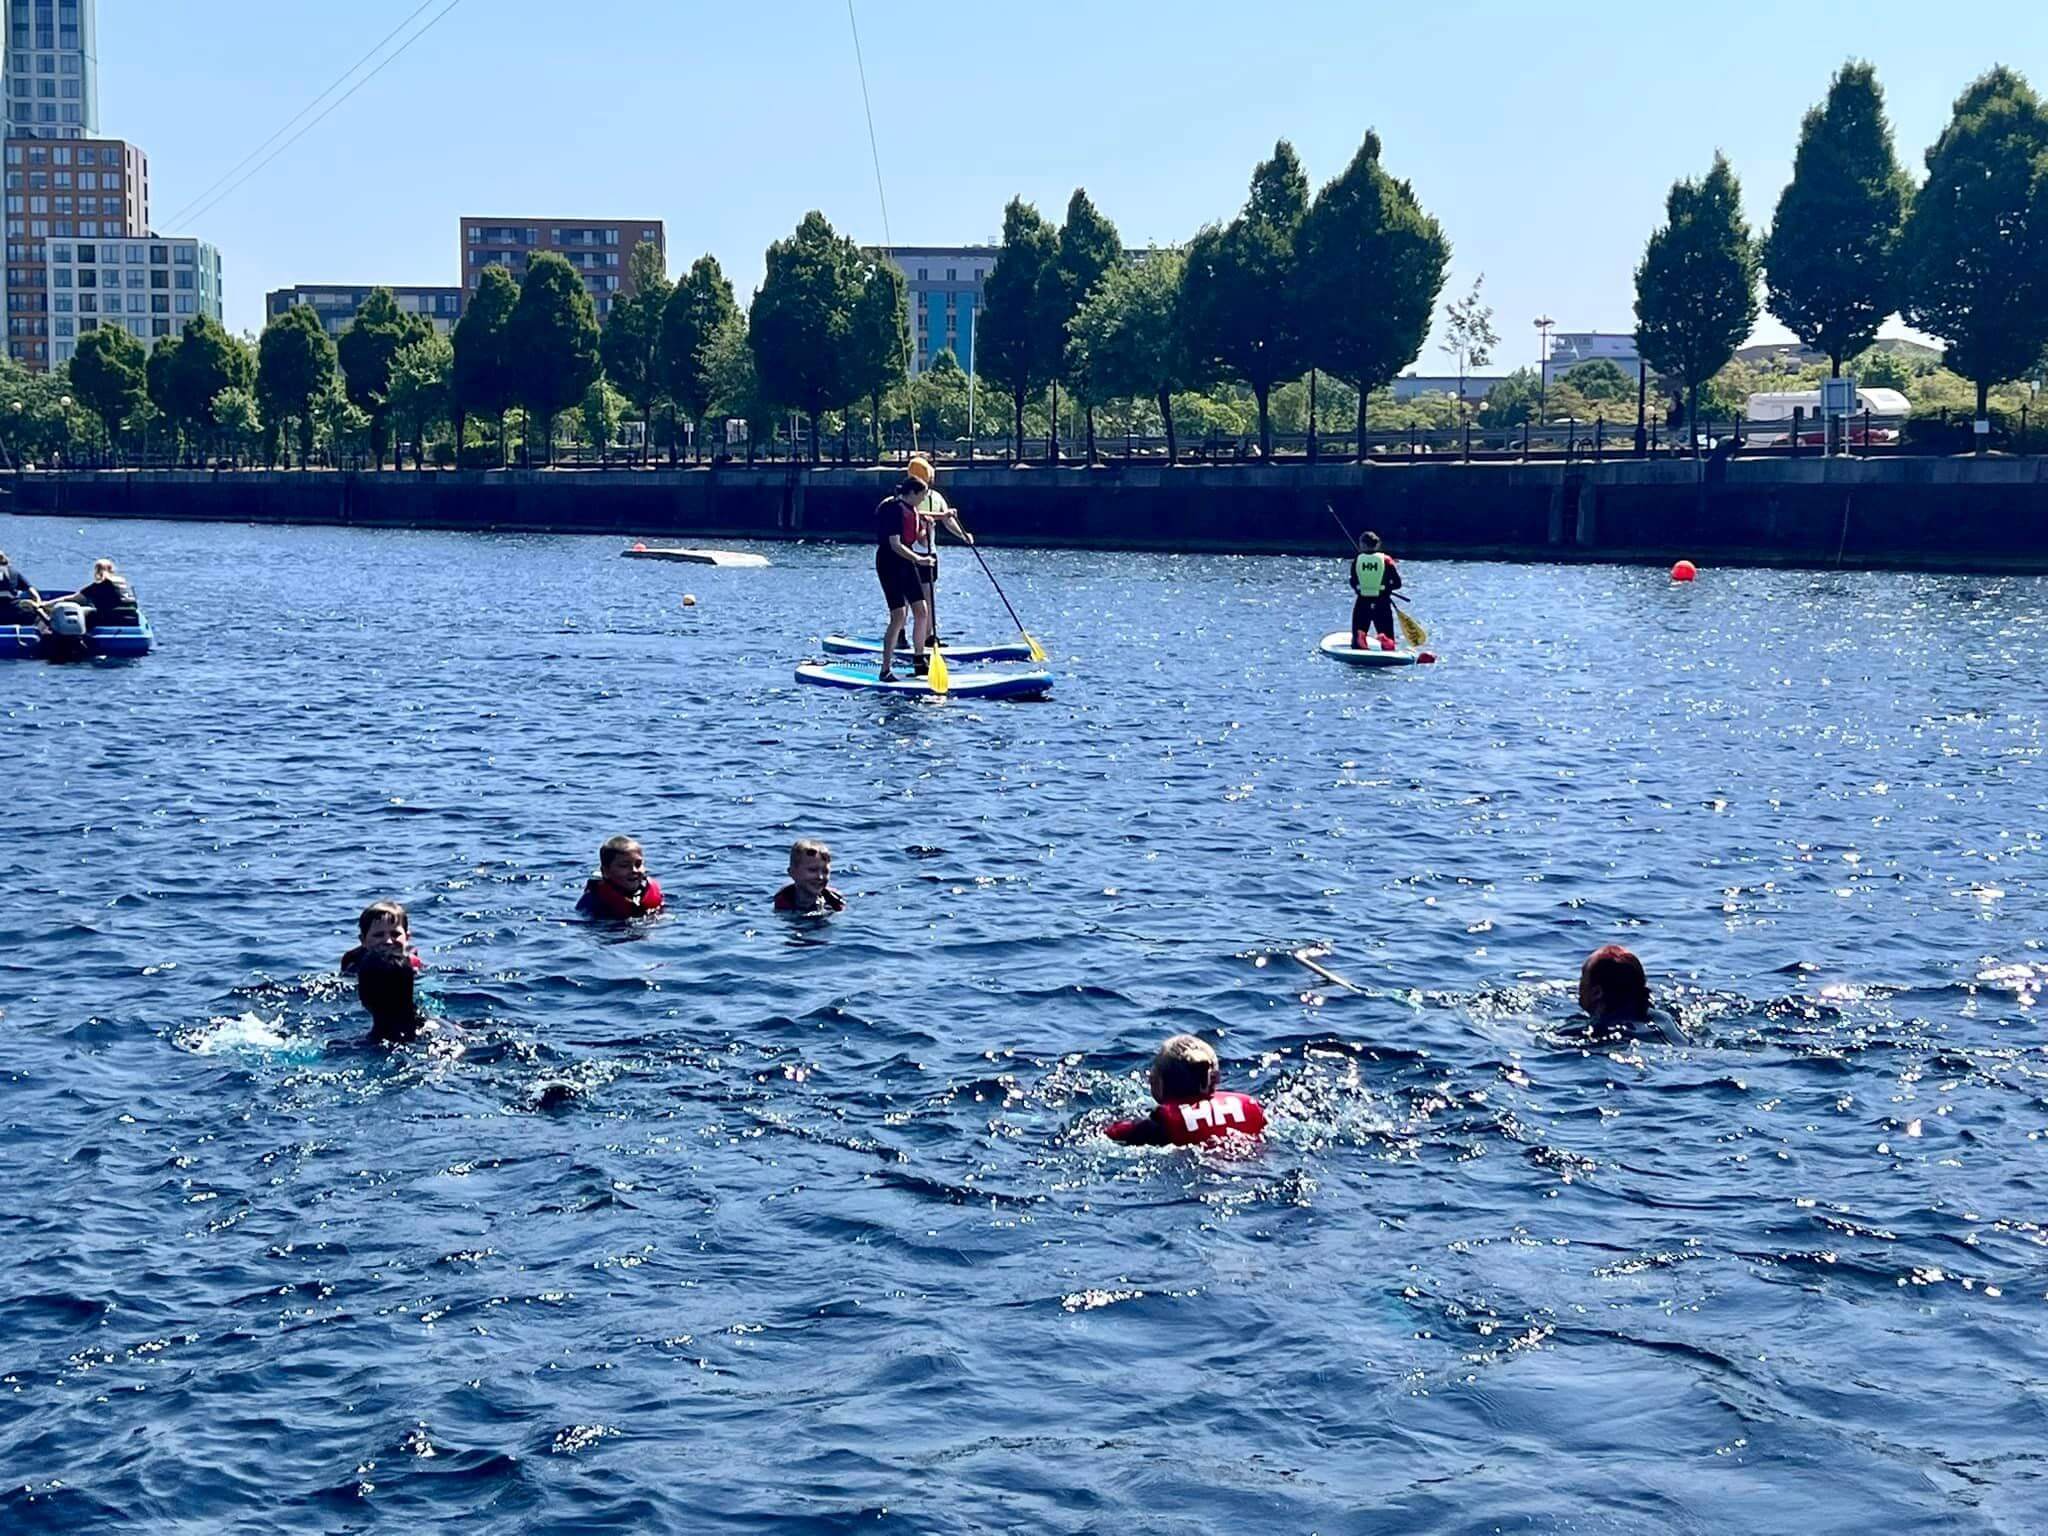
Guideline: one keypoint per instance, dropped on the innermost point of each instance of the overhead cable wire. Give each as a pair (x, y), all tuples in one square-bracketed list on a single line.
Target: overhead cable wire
[(195, 210), (881, 196)]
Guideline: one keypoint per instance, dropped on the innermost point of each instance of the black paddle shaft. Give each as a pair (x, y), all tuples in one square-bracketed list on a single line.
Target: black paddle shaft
[(991, 575)]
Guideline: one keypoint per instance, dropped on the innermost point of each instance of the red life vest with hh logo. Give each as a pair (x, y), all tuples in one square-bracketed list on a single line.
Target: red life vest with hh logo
[(1221, 1114)]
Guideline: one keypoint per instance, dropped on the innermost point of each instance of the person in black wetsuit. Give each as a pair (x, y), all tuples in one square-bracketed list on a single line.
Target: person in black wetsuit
[(107, 598), (18, 600), (384, 986), (900, 569), (1375, 578)]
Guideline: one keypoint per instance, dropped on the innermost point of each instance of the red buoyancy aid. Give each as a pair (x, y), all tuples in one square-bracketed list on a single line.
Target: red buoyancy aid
[(1221, 1114), (610, 901)]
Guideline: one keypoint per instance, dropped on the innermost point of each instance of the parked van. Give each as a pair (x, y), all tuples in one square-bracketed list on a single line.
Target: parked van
[(1886, 406)]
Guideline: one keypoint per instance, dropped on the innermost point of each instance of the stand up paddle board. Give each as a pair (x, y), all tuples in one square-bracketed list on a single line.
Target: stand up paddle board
[(696, 556), (1338, 647), (865, 645), (965, 685)]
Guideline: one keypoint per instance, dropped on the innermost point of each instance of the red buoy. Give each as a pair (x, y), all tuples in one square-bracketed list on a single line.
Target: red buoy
[(1685, 570)]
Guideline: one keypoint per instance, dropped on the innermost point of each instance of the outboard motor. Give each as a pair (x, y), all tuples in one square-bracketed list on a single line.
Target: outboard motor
[(68, 641)]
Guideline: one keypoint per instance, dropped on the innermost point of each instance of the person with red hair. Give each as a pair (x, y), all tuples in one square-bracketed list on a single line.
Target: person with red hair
[(1613, 991)]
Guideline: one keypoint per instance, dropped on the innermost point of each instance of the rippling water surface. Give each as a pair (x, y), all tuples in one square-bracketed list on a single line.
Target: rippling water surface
[(738, 1223)]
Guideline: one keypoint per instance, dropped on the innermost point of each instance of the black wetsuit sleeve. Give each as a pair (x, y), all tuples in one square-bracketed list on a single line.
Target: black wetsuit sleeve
[(1393, 578), (1147, 1132), (1351, 572)]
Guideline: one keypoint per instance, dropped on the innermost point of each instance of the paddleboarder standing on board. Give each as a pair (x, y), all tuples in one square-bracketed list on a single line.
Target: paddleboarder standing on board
[(900, 569), (1375, 578), (933, 513)]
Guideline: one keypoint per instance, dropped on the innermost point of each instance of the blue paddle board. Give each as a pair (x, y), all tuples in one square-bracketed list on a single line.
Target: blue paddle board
[(965, 685), (1002, 650)]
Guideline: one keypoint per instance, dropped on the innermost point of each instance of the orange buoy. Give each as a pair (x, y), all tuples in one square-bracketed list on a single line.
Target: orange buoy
[(1685, 570)]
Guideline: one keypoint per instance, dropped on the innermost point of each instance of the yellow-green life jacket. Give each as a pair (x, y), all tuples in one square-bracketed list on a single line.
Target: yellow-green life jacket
[(1370, 569)]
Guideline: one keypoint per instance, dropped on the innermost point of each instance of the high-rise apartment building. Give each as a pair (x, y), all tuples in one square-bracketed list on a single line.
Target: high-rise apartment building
[(154, 285), (51, 73), (601, 249), (57, 193), (336, 303), (945, 283)]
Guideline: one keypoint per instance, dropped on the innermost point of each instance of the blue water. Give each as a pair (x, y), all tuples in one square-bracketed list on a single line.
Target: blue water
[(738, 1224)]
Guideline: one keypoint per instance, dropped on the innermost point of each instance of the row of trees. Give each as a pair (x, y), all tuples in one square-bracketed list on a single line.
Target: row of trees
[(1964, 256)]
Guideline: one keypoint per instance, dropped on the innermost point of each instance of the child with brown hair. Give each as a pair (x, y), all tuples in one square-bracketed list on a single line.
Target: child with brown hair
[(384, 927), (810, 880), (621, 888), (1192, 1108)]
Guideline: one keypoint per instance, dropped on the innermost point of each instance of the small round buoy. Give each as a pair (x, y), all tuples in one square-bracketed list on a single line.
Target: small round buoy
[(638, 545), (689, 599), (1425, 658), (1685, 570)]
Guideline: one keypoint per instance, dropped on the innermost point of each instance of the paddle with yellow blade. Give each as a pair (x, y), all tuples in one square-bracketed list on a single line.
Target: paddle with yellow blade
[(1037, 650), (936, 673), (1411, 628)]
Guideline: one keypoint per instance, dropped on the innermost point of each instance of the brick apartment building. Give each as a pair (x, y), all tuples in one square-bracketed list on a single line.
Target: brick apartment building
[(600, 249)]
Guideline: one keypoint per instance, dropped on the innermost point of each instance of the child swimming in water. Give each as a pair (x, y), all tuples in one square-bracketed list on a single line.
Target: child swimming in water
[(384, 986), (1191, 1107), (1614, 995), (810, 880), (383, 926), (621, 888)]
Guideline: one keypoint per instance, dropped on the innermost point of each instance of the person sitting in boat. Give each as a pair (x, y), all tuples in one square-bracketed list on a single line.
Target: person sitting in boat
[(900, 568), (810, 880), (1375, 578), (384, 927), (107, 599), (19, 602), (384, 986), (933, 513), (621, 888), (1192, 1108), (1614, 995)]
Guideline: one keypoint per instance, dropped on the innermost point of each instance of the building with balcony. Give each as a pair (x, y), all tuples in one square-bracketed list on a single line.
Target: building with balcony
[(601, 249), (336, 303), (945, 285), (58, 194), (50, 78)]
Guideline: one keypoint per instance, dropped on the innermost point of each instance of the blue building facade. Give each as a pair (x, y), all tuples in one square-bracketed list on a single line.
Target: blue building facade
[(945, 285)]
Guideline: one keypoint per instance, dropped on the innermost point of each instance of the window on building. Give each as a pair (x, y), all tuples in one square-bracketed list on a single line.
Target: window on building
[(63, 303), (73, 114), (71, 89), (159, 327), (88, 253), (88, 304), (47, 89), (159, 279), (39, 228), (185, 255), (184, 306), (184, 279), (137, 303), (159, 255), (63, 327), (135, 255), (160, 303), (23, 86), (38, 205)]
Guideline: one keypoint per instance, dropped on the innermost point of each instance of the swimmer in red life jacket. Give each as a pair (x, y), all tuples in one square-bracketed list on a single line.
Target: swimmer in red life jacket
[(621, 887), (1191, 1107), (810, 880), (384, 986), (385, 926)]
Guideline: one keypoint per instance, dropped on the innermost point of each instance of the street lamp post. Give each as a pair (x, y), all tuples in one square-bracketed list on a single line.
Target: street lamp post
[(1543, 325)]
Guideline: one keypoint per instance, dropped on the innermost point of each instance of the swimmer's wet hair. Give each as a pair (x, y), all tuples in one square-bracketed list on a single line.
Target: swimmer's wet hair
[(384, 984), (1185, 1068), (807, 845), (614, 846), (1614, 977), (377, 909)]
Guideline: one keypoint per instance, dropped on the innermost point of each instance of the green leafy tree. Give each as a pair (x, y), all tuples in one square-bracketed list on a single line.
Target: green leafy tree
[(377, 334), (1469, 336), (802, 321), (1696, 287), (1090, 249), (603, 411), (1515, 398), (207, 361), (700, 312), (553, 336), (485, 378), (878, 344), (422, 389), (1831, 257), (239, 420), (295, 362), (1127, 340), (1243, 296), (1601, 380), (732, 387), (160, 382), (1976, 243), (630, 344), (1372, 265), (1012, 346), (108, 377), (1879, 369)]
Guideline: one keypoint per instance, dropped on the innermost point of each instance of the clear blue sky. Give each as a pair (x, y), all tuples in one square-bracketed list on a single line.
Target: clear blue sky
[(1544, 138)]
